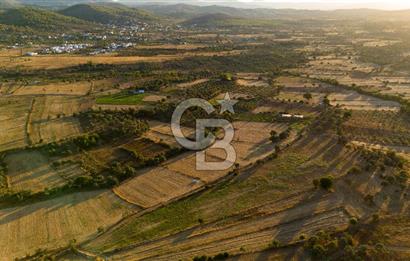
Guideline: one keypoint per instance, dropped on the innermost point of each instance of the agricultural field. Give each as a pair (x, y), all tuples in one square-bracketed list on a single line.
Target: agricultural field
[(51, 118), (14, 117), (121, 99), (179, 176), (54, 223), (355, 101), (161, 132), (156, 187), (48, 62), (38, 173), (54, 130)]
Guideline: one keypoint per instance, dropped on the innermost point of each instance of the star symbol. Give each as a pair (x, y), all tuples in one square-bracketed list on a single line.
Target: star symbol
[(227, 104)]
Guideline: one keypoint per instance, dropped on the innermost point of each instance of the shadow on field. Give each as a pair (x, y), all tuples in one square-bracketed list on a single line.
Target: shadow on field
[(46, 207)]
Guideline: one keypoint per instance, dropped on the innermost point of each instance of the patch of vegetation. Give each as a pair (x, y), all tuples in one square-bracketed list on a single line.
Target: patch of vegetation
[(113, 124), (220, 256), (332, 246), (123, 98)]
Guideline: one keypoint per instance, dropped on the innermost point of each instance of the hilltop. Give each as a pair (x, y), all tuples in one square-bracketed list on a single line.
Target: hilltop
[(108, 13)]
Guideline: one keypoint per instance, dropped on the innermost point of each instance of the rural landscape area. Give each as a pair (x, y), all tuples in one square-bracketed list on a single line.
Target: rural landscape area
[(90, 168)]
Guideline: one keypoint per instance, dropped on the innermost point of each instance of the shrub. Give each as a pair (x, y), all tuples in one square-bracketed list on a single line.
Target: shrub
[(221, 256), (316, 183), (355, 170), (275, 244), (318, 250), (326, 182), (353, 221)]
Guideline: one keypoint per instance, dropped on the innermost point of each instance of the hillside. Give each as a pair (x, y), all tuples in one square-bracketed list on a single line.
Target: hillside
[(108, 14), (223, 20), (40, 19)]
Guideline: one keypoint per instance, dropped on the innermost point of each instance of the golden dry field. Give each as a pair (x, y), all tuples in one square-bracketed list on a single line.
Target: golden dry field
[(54, 223), (14, 117), (48, 62)]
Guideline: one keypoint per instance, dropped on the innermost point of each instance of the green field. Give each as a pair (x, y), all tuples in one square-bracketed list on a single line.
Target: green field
[(121, 99)]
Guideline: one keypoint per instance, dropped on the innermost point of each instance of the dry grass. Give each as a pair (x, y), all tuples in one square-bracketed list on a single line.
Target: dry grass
[(13, 117), (33, 172), (155, 187), (54, 130), (51, 107), (53, 223), (252, 83), (154, 98), (188, 167), (63, 61), (355, 101), (46, 124), (161, 132)]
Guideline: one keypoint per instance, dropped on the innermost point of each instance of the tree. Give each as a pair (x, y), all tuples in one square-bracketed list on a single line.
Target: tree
[(226, 77), (326, 101), (274, 136), (308, 96), (326, 182)]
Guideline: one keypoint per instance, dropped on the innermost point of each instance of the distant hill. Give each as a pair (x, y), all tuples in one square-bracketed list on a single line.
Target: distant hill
[(186, 11), (40, 19), (109, 14), (57, 3)]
